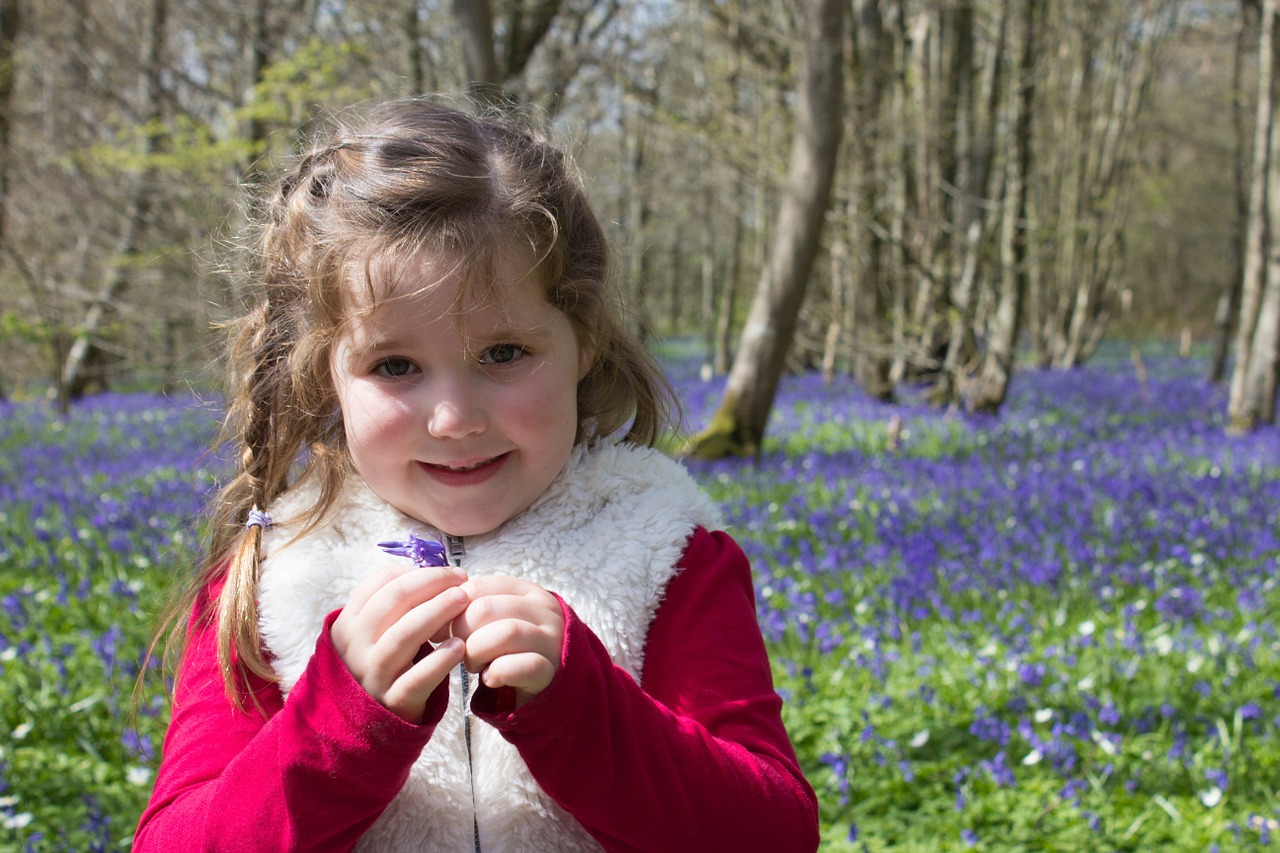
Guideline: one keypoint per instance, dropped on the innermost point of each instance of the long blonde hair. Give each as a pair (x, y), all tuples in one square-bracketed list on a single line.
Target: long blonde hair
[(407, 177)]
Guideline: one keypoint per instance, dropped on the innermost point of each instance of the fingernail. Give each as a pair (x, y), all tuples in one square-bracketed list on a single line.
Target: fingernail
[(453, 645)]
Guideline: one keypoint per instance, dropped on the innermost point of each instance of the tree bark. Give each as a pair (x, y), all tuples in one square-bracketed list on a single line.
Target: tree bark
[(931, 298), (493, 59), (1108, 153), (1228, 311), (992, 386), (414, 55), (738, 426), (871, 80), (78, 373), (729, 291), (479, 54), (10, 24), (1243, 409), (970, 222)]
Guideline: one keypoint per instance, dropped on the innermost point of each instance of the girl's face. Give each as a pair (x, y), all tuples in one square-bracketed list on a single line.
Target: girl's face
[(459, 423)]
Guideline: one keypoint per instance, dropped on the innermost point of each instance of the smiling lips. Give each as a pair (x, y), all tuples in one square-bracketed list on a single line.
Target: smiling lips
[(468, 474)]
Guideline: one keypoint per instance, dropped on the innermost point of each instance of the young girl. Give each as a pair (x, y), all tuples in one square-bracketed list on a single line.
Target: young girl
[(434, 355)]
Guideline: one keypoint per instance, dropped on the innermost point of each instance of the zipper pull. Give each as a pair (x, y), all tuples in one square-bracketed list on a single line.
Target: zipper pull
[(456, 549)]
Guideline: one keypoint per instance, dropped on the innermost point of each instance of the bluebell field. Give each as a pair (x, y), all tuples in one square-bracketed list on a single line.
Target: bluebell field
[(1052, 630)]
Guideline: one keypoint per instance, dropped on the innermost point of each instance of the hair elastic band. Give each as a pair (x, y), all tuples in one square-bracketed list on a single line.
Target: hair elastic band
[(258, 518)]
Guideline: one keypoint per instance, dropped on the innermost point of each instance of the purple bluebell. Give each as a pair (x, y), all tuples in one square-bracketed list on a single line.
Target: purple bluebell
[(423, 552)]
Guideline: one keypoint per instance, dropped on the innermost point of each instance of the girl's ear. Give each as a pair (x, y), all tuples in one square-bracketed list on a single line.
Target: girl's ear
[(586, 360)]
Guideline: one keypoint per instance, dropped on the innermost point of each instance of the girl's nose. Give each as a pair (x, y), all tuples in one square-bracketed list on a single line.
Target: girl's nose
[(456, 411)]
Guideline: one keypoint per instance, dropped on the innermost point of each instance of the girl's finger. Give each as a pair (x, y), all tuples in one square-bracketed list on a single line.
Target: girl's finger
[(527, 672), (407, 697), (484, 585), (403, 592), (509, 637), (399, 644), (488, 609)]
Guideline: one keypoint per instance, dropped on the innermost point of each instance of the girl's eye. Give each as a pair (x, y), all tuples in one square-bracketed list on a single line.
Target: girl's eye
[(394, 368), (502, 354)]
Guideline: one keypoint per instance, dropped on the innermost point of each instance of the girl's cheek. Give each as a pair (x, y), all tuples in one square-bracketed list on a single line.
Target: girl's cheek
[(369, 410)]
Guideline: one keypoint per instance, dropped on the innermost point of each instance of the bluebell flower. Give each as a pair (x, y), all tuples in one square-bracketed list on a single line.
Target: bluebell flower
[(423, 552)]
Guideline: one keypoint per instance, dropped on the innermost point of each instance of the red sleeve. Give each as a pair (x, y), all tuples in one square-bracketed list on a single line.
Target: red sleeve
[(693, 758), (312, 774)]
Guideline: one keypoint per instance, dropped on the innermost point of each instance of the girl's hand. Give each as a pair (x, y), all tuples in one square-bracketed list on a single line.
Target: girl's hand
[(514, 630), (382, 631)]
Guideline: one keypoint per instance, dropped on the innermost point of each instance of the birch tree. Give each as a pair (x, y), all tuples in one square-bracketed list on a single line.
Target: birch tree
[(1252, 395), (1228, 310)]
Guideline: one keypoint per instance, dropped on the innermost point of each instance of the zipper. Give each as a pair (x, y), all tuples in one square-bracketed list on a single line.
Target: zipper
[(456, 551)]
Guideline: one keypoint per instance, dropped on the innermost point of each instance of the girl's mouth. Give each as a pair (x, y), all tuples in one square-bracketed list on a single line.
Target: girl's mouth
[(466, 473)]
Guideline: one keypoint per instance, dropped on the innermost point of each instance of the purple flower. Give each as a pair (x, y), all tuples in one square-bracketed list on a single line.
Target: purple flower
[(423, 552), (1032, 675)]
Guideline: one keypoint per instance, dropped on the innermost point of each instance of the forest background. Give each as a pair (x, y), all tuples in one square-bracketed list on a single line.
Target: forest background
[(894, 189), (1051, 629)]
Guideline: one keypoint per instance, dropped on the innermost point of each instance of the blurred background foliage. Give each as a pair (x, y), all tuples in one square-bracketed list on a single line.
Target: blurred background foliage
[(128, 163)]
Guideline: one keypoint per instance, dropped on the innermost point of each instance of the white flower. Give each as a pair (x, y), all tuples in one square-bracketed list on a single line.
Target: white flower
[(1211, 796), (18, 821), (22, 731), (137, 776), (1033, 757), (920, 739)]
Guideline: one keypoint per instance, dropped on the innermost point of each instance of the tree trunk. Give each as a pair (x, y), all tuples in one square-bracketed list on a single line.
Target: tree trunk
[(10, 23), (78, 373), (1228, 311), (973, 187), (738, 426), (636, 129), (931, 304), (898, 152), (1244, 409), (475, 30), (524, 29), (871, 79), (1260, 382), (992, 386), (729, 291), (491, 65), (415, 60), (839, 257), (1111, 142)]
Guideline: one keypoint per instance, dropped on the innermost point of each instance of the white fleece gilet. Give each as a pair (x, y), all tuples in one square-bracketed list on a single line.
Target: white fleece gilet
[(605, 536)]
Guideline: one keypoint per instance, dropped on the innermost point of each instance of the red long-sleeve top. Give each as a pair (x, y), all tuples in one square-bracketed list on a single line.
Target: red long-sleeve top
[(694, 757)]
